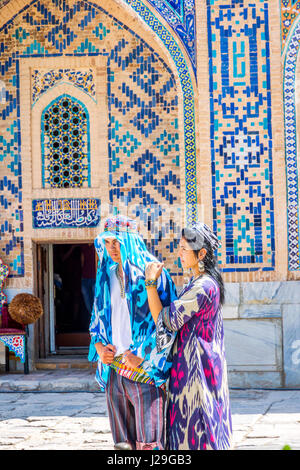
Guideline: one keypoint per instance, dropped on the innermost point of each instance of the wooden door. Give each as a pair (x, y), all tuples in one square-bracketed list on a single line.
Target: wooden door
[(42, 291)]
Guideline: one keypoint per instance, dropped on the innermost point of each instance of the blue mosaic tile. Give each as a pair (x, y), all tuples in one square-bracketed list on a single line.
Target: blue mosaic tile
[(181, 16), (291, 157), (145, 121), (241, 134)]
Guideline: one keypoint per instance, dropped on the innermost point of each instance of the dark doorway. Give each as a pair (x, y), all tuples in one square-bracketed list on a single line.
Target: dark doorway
[(74, 276)]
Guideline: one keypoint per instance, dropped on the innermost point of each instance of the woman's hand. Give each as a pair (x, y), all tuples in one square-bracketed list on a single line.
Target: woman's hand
[(153, 270), (106, 353), (131, 360)]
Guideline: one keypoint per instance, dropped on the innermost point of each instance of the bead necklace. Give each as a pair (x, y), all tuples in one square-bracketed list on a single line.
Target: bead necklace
[(121, 282)]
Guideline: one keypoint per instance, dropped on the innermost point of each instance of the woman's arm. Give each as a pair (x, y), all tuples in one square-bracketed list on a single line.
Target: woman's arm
[(154, 302), (152, 273)]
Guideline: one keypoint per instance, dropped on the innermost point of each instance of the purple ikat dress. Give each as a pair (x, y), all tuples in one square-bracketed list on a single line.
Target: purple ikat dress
[(198, 414)]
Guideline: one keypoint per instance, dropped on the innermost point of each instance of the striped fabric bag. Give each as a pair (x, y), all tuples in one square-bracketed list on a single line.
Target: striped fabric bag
[(137, 374)]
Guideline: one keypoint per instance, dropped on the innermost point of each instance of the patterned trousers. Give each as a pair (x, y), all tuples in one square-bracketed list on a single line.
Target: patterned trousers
[(136, 413)]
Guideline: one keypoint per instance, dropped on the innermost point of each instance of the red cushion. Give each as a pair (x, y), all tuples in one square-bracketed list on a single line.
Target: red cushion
[(11, 331), (8, 322)]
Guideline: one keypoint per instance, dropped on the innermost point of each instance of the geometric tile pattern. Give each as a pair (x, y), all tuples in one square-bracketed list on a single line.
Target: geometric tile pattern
[(144, 178), (65, 140), (143, 128), (188, 104), (146, 144), (56, 213), (241, 134), (290, 119)]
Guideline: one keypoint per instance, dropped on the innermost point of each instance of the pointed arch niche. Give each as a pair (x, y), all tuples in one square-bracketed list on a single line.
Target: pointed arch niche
[(89, 118)]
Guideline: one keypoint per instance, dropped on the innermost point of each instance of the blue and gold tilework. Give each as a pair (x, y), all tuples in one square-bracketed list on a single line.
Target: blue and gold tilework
[(241, 133), (181, 16), (290, 46), (44, 80), (144, 142), (143, 134), (290, 10), (188, 104)]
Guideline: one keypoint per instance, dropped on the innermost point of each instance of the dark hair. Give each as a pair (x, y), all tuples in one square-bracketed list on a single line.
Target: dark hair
[(210, 262)]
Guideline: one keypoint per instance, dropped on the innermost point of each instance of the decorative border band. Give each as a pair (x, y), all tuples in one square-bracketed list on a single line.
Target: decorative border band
[(290, 119)]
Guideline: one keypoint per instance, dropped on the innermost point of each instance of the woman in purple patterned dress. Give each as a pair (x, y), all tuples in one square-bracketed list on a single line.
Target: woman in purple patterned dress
[(198, 414)]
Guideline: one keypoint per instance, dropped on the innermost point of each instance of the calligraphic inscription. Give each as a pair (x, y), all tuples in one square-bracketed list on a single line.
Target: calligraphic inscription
[(63, 213)]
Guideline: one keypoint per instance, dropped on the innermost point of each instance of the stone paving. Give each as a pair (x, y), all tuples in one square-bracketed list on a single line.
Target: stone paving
[(61, 410)]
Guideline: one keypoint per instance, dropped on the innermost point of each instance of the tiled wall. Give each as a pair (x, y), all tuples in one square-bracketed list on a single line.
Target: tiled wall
[(192, 124), (143, 141), (241, 134), (153, 119)]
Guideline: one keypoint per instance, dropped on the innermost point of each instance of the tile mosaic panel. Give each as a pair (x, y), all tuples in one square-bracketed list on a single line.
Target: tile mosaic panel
[(4, 271), (289, 12), (143, 107), (241, 133), (290, 41), (16, 344), (188, 104), (181, 16), (58, 213), (241, 136), (290, 118)]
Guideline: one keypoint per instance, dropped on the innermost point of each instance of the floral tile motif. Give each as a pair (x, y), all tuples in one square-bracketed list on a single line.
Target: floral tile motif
[(44, 80), (181, 16), (289, 12)]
